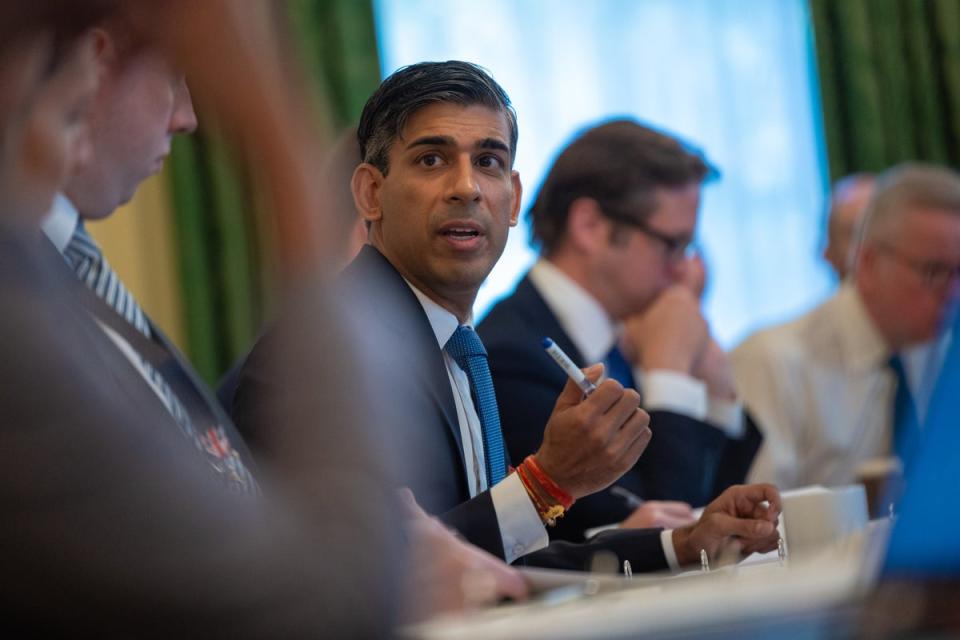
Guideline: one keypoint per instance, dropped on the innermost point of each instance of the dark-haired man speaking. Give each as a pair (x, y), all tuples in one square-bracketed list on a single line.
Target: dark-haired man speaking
[(439, 192)]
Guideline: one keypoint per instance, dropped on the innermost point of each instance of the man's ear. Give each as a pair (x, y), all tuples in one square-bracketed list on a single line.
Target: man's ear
[(104, 47), (864, 267), (588, 230), (365, 184), (517, 196)]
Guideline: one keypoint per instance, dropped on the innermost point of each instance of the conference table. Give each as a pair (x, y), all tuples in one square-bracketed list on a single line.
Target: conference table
[(818, 594)]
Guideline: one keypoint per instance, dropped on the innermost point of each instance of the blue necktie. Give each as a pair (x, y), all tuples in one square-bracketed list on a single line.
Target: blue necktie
[(906, 423), (618, 368), (467, 351)]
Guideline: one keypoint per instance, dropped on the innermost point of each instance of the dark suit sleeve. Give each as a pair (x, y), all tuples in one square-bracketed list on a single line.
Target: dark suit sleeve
[(682, 459), (737, 456), (641, 547), (476, 520)]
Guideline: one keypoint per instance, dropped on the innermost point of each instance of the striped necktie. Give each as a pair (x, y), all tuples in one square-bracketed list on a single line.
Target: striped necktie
[(85, 258), (468, 352)]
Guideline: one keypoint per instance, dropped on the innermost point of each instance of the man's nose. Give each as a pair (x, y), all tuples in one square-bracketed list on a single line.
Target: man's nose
[(464, 186), (183, 119)]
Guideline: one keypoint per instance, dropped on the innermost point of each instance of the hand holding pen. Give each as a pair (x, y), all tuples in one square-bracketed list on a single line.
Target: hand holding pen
[(564, 362), (593, 439)]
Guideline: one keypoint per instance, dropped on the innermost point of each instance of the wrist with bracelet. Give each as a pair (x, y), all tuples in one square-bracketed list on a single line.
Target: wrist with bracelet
[(550, 501)]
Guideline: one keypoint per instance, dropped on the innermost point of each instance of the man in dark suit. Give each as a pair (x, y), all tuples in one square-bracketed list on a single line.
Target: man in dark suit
[(438, 191), (142, 101), (114, 524), (614, 218)]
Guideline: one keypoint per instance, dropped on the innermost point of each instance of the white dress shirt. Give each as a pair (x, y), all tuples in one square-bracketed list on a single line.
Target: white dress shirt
[(61, 222), (521, 528), (822, 392), (594, 334)]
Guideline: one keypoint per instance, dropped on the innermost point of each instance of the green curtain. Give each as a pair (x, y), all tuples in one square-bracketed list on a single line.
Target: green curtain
[(889, 81), (225, 262)]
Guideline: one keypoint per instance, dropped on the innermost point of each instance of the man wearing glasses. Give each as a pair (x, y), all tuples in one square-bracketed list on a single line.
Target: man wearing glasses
[(617, 282), (849, 382)]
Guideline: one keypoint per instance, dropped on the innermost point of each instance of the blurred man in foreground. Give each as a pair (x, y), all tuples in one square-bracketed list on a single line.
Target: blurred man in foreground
[(115, 524), (848, 382), (141, 103)]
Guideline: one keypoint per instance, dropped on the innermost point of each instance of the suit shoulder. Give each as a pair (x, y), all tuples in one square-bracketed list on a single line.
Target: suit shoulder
[(507, 322)]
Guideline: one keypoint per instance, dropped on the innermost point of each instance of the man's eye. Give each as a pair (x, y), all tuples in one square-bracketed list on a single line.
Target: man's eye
[(489, 162), (429, 160), (938, 271)]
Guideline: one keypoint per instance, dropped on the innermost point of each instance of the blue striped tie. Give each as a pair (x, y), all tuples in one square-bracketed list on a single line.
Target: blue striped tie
[(467, 350), (88, 262)]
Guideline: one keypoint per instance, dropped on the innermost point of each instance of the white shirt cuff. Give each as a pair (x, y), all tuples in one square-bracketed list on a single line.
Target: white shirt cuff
[(726, 415), (667, 390), (666, 539), (521, 528)]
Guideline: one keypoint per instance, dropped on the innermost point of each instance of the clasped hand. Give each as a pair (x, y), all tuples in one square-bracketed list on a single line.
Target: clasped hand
[(743, 519)]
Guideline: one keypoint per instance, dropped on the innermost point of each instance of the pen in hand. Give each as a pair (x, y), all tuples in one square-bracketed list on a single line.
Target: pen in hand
[(565, 363)]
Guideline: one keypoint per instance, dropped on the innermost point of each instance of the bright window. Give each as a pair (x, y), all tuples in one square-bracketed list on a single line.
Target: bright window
[(732, 77)]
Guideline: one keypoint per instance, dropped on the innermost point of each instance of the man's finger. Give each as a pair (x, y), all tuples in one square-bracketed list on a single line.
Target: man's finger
[(765, 512), (572, 394), (594, 372), (747, 497), (723, 525), (510, 583), (637, 439), (635, 426), (764, 545), (607, 395), (624, 408)]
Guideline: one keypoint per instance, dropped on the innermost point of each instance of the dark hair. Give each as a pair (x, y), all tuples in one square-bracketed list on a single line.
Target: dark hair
[(619, 164), (63, 20), (411, 88)]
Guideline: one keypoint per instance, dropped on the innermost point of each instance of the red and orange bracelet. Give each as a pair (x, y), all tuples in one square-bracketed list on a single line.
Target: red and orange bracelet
[(550, 501)]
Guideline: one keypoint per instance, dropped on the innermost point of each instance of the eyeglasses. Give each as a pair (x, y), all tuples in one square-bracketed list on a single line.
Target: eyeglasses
[(935, 275), (675, 248)]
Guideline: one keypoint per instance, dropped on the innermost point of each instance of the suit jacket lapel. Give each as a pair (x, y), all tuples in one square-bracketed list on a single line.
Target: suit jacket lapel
[(202, 400), (389, 300), (541, 316), (112, 362), (191, 391)]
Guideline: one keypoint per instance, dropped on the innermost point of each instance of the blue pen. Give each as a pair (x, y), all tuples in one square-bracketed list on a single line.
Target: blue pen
[(565, 363)]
